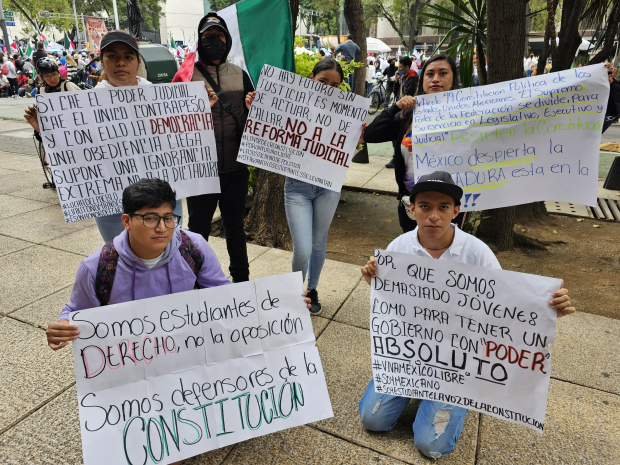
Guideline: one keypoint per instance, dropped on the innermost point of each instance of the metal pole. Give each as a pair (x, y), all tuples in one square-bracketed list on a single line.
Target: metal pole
[(7, 41), (77, 25), (84, 29), (115, 14)]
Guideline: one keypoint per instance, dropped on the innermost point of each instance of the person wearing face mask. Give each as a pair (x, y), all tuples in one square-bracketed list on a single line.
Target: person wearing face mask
[(232, 85), (438, 75)]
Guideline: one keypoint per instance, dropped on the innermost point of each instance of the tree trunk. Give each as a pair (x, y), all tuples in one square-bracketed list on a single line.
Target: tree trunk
[(294, 13), (413, 18), (354, 16), (549, 41), (337, 5), (505, 39), (570, 40), (528, 27), (610, 34), (266, 223)]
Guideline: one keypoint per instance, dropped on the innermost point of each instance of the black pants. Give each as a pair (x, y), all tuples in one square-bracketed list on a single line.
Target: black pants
[(407, 224), (389, 90), (234, 190), (13, 86)]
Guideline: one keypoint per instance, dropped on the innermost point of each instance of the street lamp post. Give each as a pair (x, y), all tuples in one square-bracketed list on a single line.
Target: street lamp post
[(7, 41)]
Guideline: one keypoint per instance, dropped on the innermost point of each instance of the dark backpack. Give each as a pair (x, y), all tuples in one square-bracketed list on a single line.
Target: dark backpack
[(108, 260)]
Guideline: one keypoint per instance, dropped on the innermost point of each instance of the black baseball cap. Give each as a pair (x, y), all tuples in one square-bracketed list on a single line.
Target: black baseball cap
[(439, 181), (118, 36), (211, 20)]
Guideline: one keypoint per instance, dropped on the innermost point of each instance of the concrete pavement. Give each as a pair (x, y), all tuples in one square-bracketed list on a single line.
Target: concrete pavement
[(39, 255)]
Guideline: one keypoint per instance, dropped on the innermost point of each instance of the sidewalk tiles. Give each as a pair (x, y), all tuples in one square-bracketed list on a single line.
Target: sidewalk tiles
[(39, 255)]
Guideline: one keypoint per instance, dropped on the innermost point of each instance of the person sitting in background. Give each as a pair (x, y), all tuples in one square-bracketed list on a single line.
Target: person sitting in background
[(4, 86)]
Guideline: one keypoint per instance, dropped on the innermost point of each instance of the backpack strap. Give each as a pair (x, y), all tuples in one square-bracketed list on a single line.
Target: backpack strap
[(106, 269), (190, 254)]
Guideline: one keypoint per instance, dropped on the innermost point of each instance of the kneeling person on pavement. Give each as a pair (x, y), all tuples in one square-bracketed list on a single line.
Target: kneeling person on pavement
[(435, 201)]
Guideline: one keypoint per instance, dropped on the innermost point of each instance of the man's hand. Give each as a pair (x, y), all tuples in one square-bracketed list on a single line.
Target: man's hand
[(249, 99), (407, 103), (59, 333), (370, 270), (561, 302), (307, 299), (212, 96), (31, 116)]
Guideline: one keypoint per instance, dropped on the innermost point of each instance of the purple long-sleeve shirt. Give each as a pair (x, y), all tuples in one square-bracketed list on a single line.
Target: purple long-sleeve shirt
[(134, 281)]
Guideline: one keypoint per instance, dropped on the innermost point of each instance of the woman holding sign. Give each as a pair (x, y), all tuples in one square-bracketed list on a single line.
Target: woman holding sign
[(120, 61), (309, 208), (438, 74)]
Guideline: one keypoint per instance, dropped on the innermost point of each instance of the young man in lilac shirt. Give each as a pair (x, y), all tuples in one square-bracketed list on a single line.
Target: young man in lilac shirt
[(152, 257)]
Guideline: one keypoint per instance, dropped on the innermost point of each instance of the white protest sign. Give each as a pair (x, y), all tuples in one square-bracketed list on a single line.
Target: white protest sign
[(97, 142), (163, 379), (518, 141), (302, 128), (464, 335)]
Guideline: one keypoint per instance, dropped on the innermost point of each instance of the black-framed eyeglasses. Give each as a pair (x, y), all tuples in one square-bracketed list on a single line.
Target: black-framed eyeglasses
[(151, 221)]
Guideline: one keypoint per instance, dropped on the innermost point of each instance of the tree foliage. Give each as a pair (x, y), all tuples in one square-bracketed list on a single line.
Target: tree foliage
[(151, 10), (27, 11)]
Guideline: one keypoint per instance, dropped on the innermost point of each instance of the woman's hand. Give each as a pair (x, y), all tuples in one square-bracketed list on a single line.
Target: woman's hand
[(407, 103), (361, 140), (370, 270), (249, 99), (561, 302), (212, 96), (31, 116)]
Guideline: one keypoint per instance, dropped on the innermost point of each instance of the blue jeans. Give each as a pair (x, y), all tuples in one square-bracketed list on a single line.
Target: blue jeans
[(111, 226), (309, 212), (436, 428)]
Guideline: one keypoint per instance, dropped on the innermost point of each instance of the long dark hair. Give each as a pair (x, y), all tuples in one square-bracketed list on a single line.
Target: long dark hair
[(455, 77), (328, 64)]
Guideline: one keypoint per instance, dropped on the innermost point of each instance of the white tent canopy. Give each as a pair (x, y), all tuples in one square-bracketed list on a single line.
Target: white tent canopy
[(585, 45), (376, 46)]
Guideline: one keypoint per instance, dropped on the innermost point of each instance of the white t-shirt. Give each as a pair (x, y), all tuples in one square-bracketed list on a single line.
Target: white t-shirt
[(465, 248), (104, 84), (151, 262), (12, 72)]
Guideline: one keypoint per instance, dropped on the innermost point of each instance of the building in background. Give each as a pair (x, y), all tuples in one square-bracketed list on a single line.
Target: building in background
[(180, 20)]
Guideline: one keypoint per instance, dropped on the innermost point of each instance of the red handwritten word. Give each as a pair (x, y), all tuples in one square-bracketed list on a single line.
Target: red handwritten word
[(503, 352), (182, 123)]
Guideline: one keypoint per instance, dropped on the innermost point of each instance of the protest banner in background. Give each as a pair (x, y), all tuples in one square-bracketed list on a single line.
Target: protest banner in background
[(518, 141), (464, 335), (302, 128), (98, 142), (167, 378), (95, 29)]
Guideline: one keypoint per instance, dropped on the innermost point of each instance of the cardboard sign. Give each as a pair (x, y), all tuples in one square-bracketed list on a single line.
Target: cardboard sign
[(463, 335), (167, 378), (302, 128), (97, 142), (518, 141)]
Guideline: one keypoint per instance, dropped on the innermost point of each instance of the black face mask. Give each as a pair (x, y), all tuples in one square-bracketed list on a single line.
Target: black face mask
[(211, 48)]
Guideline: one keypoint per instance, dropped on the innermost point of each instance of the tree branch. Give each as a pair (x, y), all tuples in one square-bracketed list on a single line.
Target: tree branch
[(19, 7)]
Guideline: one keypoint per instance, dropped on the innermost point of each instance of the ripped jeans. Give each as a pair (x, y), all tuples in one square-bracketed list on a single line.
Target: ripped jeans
[(436, 428)]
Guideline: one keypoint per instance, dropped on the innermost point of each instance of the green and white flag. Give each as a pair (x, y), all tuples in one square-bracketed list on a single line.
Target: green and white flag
[(261, 32), (29, 51)]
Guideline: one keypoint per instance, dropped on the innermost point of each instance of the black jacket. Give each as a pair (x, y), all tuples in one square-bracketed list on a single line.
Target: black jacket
[(391, 124)]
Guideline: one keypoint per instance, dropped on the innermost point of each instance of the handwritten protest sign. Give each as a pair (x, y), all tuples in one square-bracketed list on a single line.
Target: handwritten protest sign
[(518, 141), (302, 128), (167, 378), (464, 335), (98, 142)]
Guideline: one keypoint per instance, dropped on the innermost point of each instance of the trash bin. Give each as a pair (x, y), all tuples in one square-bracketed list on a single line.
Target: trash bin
[(159, 63)]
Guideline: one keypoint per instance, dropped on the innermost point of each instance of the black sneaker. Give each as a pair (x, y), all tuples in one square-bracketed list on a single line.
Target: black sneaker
[(390, 164), (313, 295)]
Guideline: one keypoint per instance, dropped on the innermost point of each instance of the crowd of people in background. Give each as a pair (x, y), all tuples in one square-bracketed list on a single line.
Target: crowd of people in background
[(18, 76)]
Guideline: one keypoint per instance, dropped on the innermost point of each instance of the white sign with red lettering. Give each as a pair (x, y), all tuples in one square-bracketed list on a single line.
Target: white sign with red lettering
[(97, 142), (303, 129)]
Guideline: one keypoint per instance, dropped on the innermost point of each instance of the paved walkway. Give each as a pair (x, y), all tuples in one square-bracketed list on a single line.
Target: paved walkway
[(39, 255)]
